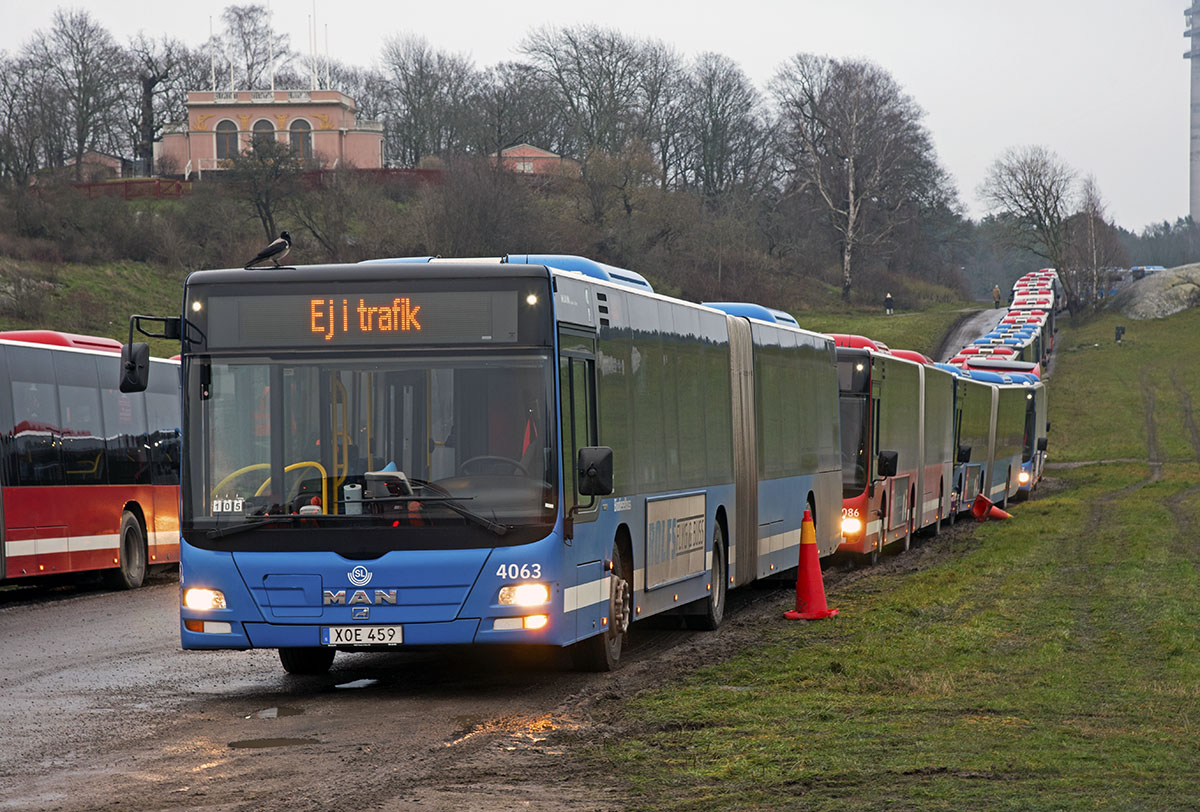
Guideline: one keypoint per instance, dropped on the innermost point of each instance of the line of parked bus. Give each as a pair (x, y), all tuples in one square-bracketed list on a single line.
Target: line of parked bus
[(922, 441), (536, 449)]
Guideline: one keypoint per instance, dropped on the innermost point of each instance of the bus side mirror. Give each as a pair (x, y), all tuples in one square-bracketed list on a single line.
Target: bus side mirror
[(595, 468), (135, 367), (886, 465), (1047, 426), (964, 453), (1041, 444)]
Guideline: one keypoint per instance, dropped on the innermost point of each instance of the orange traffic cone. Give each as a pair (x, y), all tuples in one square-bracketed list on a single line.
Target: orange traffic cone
[(810, 591), (983, 509)]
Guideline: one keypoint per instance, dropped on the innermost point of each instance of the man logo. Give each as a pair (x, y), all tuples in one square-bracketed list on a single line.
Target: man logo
[(361, 613), (359, 576)]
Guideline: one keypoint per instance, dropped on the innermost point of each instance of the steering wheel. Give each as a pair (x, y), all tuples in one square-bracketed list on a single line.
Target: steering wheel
[(465, 465)]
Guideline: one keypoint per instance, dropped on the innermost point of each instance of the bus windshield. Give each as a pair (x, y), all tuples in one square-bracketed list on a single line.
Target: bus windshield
[(854, 444), (371, 452)]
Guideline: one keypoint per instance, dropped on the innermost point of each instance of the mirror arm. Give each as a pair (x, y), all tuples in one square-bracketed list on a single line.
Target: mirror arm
[(569, 519)]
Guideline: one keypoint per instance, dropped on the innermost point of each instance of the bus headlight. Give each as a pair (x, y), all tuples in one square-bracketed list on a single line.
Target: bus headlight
[(524, 595), (851, 526), (1023, 478), (203, 599)]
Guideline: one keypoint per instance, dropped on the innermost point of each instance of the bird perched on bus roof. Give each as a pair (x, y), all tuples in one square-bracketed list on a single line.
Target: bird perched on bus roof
[(276, 251)]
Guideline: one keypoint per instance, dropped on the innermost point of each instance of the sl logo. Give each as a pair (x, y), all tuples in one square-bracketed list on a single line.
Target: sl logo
[(359, 576)]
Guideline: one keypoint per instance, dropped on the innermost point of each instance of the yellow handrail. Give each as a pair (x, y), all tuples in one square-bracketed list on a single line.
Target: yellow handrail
[(287, 469)]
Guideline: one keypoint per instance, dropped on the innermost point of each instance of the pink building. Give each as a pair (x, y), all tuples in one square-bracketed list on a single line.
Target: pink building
[(319, 124), (98, 166), (530, 160)]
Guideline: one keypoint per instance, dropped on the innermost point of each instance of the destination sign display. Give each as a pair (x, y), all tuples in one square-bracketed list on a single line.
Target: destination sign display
[(377, 317)]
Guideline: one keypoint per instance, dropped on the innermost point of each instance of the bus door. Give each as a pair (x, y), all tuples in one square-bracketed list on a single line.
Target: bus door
[(878, 496), (578, 429), (577, 393)]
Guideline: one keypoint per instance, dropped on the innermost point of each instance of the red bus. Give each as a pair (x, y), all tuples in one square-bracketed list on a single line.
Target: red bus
[(89, 476)]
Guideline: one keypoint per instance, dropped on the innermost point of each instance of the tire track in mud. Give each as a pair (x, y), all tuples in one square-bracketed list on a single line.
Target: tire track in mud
[(1155, 454), (1182, 504), (1077, 579), (1154, 460)]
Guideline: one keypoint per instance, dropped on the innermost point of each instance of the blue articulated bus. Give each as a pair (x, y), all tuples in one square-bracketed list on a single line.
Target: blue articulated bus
[(526, 450)]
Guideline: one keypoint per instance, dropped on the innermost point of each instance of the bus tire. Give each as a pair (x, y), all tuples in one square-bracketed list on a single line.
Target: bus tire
[(310, 661), (602, 652), (712, 608), (131, 555)]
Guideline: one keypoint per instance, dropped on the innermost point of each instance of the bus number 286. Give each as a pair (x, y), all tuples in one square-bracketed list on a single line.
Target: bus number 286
[(515, 571)]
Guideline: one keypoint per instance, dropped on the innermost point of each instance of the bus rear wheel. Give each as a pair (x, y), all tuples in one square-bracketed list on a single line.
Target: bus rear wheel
[(713, 607), (307, 661), (131, 555), (602, 652)]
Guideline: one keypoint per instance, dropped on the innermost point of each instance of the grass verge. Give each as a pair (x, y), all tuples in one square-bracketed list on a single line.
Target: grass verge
[(1049, 662), (90, 299), (906, 330)]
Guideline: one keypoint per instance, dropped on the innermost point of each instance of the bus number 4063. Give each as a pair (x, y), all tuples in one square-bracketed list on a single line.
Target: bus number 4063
[(515, 571)]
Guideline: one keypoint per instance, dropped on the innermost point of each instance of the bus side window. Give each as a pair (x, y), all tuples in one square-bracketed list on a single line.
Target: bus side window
[(36, 432), (82, 433), (124, 419)]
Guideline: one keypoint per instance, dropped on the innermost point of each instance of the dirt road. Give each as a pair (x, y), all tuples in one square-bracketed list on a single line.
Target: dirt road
[(971, 326)]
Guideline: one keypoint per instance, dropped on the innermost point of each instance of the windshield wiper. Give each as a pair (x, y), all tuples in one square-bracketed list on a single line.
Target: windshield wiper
[(234, 529), (454, 503), (483, 521)]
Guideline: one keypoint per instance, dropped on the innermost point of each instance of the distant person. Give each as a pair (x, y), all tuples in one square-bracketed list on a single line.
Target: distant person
[(995, 296), (887, 303)]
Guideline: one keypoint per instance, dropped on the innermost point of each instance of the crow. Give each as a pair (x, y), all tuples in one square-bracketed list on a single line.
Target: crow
[(276, 251)]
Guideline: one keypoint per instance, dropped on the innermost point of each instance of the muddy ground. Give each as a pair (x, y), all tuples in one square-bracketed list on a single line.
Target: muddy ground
[(108, 713)]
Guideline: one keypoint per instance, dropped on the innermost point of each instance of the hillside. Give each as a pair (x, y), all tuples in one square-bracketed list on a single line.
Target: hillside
[(90, 299)]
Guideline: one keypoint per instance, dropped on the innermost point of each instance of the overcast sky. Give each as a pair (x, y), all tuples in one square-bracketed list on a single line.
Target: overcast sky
[(1101, 82)]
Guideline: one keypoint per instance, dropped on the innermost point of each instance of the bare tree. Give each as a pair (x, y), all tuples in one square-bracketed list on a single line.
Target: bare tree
[(514, 105), (366, 86), (597, 73), (87, 66), (662, 108), (1032, 190), (430, 90), (851, 134), (1093, 243), (726, 132), (267, 174), (155, 64), (253, 46), (31, 135)]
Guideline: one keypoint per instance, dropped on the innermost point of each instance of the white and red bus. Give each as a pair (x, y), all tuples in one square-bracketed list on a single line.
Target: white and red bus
[(89, 476)]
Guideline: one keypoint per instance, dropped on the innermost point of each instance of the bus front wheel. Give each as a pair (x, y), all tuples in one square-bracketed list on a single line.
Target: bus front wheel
[(602, 652), (307, 661), (131, 555)]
